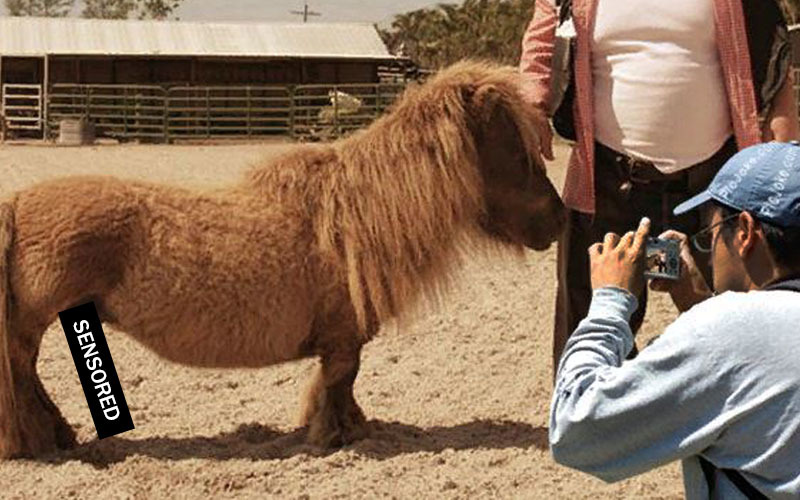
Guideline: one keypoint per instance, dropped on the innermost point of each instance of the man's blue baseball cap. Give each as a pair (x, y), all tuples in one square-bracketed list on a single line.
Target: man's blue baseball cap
[(763, 179)]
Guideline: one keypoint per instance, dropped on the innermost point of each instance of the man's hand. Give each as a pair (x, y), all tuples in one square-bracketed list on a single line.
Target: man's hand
[(542, 125), (620, 262), (691, 287)]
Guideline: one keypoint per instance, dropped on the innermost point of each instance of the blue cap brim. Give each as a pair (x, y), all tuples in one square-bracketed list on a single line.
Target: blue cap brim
[(692, 203)]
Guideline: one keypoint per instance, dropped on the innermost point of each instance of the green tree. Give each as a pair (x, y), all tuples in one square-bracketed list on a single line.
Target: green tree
[(438, 36), (40, 8), (124, 9), (157, 9), (108, 9)]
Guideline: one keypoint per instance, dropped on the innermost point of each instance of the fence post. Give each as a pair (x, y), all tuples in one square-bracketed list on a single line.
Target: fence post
[(291, 91), (336, 130), (88, 105), (249, 107), (208, 113), (125, 113), (165, 104), (2, 104)]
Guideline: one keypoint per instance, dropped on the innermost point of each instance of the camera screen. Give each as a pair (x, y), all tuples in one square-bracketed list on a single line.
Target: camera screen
[(663, 259)]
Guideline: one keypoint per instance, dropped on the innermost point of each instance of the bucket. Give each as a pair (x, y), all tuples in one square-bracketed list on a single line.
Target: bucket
[(76, 132)]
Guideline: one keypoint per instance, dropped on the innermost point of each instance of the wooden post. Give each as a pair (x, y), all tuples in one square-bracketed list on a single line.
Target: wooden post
[(249, 111), (45, 100)]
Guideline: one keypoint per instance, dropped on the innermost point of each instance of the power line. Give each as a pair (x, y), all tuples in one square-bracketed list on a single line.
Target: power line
[(305, 12)]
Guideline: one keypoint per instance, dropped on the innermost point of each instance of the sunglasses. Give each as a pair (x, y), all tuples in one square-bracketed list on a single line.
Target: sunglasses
[(703, 240)]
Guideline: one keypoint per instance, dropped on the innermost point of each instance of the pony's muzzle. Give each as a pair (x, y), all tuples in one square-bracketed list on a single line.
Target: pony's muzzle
[(544, 230)]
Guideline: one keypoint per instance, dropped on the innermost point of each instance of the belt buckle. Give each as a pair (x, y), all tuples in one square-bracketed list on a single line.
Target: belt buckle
[(633, 165)]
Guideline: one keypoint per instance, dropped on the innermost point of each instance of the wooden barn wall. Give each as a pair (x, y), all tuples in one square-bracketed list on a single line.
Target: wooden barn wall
[(357, 73), (203, 72), (22, 69)]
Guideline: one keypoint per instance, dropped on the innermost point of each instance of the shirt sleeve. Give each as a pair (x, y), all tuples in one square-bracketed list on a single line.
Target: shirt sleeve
[(537, 52), (613, 418)]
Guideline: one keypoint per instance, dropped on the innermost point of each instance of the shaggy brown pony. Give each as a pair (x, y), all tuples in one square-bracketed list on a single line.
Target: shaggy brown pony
[(305, 257)]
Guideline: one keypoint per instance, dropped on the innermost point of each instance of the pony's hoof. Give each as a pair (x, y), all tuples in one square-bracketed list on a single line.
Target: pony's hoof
[(335, 432), (355, 433), (65, 437), (337, 438), (9, 450), (51, 434)]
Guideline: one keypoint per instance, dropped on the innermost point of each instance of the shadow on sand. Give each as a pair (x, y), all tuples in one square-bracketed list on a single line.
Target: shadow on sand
[(259, 442)]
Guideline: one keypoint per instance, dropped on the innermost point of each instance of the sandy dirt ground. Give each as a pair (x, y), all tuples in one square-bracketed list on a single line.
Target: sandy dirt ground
[(458, 400)]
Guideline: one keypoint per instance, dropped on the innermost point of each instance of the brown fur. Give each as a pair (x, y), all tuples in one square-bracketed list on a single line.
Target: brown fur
[(305, 257)]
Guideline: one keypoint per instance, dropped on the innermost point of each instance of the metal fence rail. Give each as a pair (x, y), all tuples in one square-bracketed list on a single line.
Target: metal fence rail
[(123, 112), (314, 112), (153, 112), (22, 106), (325, 112), (228, 111)]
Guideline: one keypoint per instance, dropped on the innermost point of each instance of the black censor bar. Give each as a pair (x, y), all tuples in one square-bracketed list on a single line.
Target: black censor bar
[(101, 386)]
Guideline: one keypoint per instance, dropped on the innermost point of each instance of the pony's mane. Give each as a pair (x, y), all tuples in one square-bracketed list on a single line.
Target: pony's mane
[(394, 196)]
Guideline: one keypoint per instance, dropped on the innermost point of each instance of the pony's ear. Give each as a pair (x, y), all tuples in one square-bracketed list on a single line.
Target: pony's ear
[(483, 101)]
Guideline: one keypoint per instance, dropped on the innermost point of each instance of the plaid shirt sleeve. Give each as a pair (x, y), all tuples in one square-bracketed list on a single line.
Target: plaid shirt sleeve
[(734, 56), (537, 52)]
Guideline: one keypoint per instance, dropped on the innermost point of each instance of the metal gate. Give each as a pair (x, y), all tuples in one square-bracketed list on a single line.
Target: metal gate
[(22, 106)]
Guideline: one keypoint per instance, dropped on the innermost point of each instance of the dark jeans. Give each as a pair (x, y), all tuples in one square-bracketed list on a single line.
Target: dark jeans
[(626, 190)]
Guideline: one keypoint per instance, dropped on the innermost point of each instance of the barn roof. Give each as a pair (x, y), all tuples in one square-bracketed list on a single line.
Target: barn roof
[(31, 36)]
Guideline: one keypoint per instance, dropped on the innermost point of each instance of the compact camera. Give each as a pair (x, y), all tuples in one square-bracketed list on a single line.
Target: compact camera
[(663, 259)]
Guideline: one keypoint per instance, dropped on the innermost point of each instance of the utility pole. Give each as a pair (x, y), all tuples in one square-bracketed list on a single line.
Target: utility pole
[(305, 12)]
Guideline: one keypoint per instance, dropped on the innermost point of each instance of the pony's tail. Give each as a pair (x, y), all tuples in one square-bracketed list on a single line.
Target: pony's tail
[(9, 430)]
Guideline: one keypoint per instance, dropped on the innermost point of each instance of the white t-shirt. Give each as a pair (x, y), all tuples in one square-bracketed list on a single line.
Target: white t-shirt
[(659, 92)]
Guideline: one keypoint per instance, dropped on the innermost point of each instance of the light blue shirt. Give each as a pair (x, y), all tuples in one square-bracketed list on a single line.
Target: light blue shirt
[(723, 382)]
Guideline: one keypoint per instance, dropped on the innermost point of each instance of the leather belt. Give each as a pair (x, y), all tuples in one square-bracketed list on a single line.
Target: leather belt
[(643, 172)]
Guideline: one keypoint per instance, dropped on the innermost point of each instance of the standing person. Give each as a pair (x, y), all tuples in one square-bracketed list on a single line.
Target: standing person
[(665, 93)]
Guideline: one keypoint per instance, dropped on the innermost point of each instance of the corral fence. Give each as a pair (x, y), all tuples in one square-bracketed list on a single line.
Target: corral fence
[(22, 106), (158, 114)]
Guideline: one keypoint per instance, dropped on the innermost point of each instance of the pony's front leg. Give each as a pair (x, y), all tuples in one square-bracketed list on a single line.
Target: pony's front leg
[(331, 413)]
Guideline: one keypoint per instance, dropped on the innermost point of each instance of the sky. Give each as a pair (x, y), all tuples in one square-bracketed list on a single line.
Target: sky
[(369, 11)]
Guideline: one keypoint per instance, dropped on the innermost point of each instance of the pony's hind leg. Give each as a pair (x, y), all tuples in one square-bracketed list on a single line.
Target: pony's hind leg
[(30, 423), (331, 413), (34, 425)]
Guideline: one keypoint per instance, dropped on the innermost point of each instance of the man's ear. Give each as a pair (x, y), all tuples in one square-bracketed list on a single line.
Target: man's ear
[(748, 233)]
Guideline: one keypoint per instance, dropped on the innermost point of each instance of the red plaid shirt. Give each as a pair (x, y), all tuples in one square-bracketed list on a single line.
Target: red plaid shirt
[(537, 50)]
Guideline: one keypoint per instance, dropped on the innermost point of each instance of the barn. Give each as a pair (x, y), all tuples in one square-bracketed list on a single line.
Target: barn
[(168, 80)]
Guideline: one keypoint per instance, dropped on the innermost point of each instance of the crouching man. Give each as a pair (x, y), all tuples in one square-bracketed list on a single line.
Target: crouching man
[(720, 389)]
